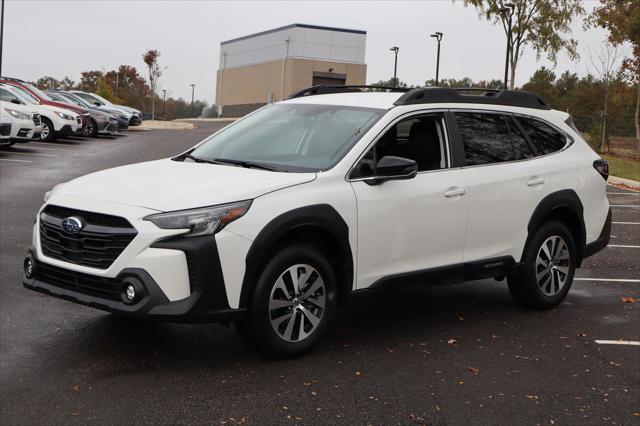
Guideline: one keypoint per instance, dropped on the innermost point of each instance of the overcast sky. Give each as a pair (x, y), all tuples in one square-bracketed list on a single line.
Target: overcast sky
[(59, 38)]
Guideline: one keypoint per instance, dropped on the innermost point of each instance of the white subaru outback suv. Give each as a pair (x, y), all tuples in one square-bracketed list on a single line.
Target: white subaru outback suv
[(277, 219)]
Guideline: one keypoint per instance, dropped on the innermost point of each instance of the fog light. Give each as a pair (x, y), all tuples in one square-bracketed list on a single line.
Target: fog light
[(131, 293), (28, 267), (132, 290)]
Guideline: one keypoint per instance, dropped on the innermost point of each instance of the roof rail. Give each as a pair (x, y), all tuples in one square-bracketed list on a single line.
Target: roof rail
[(430, 95), (11, 79), (325, 90)]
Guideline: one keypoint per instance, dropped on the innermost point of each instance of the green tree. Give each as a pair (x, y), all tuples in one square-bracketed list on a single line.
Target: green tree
[(539, 24), (622, 19), (48, 83), (542, 83), (89, 80), (390, 83)]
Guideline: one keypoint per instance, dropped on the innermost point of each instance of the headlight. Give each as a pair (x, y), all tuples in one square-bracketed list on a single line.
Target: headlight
[(18, 114), (202, 221), (47, 195), (65, 116)]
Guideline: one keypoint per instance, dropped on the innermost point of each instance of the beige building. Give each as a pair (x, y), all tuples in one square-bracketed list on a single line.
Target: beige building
[(271, 65)]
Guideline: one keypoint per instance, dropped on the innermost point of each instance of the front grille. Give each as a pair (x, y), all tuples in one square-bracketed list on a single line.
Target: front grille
[(36, 119), (98, 244), (106, 288)]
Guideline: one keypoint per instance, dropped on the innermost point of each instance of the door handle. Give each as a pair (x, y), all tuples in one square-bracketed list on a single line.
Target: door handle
[(455, 192), (535, 181)]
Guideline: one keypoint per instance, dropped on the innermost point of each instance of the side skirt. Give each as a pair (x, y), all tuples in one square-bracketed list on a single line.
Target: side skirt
[(445, 275)]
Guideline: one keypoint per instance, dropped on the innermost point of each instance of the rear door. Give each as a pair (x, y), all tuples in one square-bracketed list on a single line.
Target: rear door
[(504, 186)]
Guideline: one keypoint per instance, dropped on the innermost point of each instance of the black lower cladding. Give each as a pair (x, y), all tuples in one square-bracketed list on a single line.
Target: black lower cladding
[(207, 302)]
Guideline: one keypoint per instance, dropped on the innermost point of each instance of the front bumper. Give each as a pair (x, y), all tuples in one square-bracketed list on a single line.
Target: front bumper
[(207, 301), (108, 127)]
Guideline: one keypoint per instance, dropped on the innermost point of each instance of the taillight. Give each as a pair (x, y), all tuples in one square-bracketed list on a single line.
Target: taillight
[(602, 167)]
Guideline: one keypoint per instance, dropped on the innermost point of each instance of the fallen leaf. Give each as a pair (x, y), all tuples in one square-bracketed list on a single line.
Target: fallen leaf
[(358, 373), (76, 388), (452, 341), (75, 413), (474, 370), (628, 299)]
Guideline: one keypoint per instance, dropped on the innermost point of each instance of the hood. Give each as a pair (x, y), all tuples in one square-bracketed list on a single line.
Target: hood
[(128, 109), (167, 185), (18, 107), (64, 105), (58, 109)]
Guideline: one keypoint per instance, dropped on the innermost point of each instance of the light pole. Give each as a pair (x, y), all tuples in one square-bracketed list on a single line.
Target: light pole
[(164, 102), (438, 36), (284, 61), (193, 87), (224, 64), (1, 33), (395, 49), (507, 9)]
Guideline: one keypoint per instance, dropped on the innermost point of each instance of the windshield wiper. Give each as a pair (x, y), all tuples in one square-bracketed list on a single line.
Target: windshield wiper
[(198, 159), (247, 164)]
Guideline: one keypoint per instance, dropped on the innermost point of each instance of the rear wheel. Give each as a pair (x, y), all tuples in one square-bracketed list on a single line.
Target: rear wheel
[(549, 264), (48, 131), (293, 302)]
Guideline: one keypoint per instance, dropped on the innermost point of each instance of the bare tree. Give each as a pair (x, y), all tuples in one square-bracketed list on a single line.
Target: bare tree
[(539, 24), (604, 63), (150, 58)]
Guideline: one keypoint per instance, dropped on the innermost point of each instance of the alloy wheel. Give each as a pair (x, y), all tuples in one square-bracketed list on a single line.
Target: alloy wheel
[(297, 303), (552, 265), (45, 131)]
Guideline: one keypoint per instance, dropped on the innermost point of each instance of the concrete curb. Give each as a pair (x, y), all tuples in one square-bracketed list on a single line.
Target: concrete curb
[(211, 120), (633, 184)]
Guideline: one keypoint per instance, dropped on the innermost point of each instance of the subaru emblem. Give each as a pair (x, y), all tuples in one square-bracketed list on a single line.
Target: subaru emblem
[(72, 225)]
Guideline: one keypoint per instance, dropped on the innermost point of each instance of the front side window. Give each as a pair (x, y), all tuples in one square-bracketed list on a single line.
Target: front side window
[(545, 138), (291, 137), (418, 138)]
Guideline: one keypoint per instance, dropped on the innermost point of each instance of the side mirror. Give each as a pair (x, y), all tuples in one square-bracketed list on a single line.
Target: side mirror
[(97, 104), (394, 168), (15, 101)]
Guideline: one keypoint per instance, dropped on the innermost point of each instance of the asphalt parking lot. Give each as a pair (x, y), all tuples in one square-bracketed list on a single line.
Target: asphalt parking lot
[(443, 355)]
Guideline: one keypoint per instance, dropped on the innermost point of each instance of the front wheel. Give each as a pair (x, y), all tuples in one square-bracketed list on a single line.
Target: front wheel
[(48, 132), (293, 302), (549, 264)]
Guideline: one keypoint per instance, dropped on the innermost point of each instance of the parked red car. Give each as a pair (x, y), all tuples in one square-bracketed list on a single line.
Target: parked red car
[(46, 100)]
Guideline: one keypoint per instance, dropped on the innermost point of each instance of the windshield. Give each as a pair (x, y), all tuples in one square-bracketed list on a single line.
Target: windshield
[(25, 95), (70, 98), (38, 92), (87, 97), (291, 137)]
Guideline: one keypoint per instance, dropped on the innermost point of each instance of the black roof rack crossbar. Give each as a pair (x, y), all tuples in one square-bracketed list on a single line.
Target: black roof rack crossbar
[(325, 90), (431, 95)]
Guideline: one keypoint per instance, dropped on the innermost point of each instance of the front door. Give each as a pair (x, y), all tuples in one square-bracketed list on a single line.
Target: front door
[(410, 225)]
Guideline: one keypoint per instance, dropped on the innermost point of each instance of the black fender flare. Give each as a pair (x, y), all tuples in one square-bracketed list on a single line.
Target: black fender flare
[(322, 216), (565, 199)]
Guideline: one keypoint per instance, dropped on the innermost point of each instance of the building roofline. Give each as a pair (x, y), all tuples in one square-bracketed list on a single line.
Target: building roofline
[(286, 27)]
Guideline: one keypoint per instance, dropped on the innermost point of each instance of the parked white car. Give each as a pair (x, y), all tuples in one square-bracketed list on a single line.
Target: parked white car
[(5, 130), (56, 122), (25, 123), (279, 218)]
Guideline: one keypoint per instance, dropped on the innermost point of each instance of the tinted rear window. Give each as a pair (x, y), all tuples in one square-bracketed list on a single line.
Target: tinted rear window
[(486, 138), (545, 138)]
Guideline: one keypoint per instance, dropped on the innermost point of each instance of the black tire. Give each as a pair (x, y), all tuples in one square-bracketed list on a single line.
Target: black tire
[(257, 328), (538, 284), (49, 134), (93, 130)]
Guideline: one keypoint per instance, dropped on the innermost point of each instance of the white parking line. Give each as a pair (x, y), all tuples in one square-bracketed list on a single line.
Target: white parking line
[(47, 149), (30, 153), (623, 193), (620, 246), (613, 280), (626, 223), (625, 205), (617, 342), (17, 161)]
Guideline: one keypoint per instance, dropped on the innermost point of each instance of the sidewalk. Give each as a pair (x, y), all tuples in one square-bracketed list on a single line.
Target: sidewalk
[(624, 183)]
